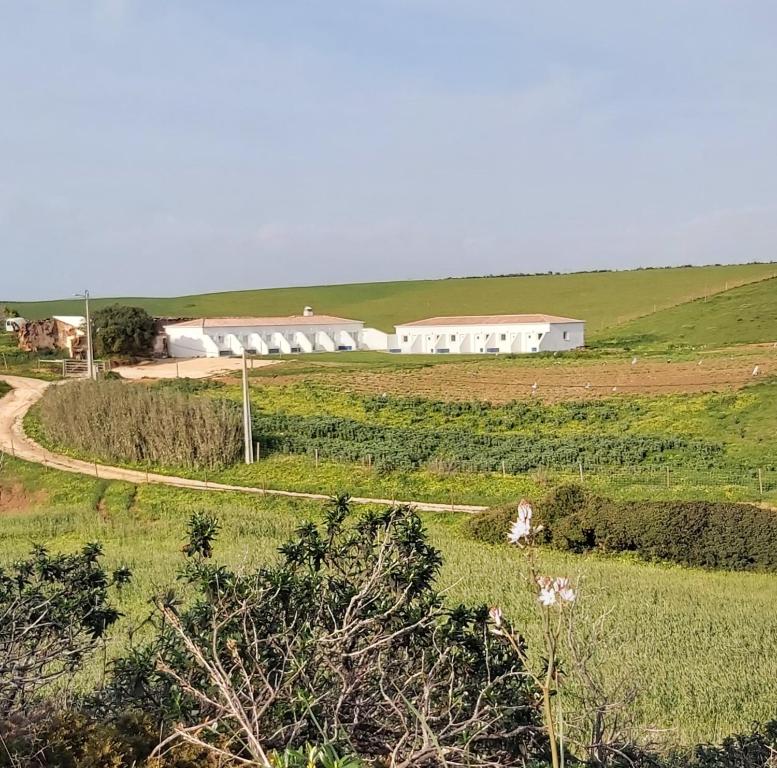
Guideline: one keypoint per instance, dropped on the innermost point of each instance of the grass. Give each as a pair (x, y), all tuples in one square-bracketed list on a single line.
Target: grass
[(603, 299), (743, 315), (13, 361), (700, 647)]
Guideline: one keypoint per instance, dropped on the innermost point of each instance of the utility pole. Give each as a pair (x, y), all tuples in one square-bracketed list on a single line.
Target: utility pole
[(247, 435), (89, 355)]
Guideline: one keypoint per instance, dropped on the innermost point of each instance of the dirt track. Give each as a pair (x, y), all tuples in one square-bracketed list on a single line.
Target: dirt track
[(26, 392)]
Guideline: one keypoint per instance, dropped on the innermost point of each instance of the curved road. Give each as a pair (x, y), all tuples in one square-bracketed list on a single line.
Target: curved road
[(26, 392)]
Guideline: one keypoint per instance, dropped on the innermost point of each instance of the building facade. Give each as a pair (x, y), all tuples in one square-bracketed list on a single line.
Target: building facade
[(224, 336), (490, 334)]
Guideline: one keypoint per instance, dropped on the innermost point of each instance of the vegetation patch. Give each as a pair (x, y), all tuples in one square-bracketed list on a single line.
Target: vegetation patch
[(692, 533), (142, 425)]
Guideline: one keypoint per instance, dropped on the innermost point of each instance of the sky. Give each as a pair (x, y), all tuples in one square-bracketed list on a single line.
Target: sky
[(168, 147)]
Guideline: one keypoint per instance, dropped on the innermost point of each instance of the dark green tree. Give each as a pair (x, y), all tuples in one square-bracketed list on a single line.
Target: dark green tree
[(120, 330)]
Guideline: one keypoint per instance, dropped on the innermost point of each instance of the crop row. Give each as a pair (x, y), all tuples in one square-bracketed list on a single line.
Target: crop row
[(389, 448)]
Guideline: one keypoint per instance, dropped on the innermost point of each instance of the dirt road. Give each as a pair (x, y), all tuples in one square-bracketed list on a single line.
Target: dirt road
[(26, 392)]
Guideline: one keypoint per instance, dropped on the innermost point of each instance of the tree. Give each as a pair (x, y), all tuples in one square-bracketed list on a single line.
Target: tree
[(10, 312), (124, 331), (345, 642)]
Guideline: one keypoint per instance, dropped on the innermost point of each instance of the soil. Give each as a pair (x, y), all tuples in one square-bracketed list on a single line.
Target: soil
[(15, 498), (503, 381)]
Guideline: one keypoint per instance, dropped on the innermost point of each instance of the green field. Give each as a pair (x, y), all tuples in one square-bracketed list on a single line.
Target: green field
[(687, 640), (602, 299), (743, 315)]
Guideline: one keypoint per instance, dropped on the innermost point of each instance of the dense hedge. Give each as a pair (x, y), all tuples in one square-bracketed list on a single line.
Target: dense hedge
[(131, 422), (698, 533), (410, 447)]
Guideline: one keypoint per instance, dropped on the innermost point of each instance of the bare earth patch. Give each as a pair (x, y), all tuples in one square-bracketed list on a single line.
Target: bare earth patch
[(15, 498), (501, 381)]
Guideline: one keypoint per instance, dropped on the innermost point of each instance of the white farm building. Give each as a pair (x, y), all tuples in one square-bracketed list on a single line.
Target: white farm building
[(477, 334), (223, 336)]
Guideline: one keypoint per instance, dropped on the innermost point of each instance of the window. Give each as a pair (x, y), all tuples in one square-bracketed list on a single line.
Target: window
[(220, 339), (566, 335), (404, 338), (453, 337), (503, 337)]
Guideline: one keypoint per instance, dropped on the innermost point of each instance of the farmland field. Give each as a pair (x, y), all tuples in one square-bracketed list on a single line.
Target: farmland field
[(449, 432), (603, 299), (686, 639)]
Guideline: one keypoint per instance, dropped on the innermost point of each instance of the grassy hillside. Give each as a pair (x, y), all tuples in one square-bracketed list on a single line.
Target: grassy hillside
[(743, 315), (603, 299)]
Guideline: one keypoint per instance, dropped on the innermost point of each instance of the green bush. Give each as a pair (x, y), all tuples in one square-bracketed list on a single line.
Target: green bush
[(698, 533)]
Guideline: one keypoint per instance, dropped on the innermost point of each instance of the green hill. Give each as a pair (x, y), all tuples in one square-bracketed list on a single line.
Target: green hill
[(743, 315), (603, 299)]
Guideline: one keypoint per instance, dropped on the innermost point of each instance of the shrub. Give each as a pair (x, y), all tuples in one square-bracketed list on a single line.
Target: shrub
[(145, 425), (698, 533), (347, 639), (53, 611)]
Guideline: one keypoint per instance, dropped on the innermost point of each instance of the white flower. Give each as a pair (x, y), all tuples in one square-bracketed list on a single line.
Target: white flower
[(564, 590), (496, 616), (525, 511), (521, 528), (554, 591), (547, 596), (518, 531)]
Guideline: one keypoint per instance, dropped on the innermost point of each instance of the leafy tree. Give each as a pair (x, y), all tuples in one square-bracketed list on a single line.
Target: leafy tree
[(10, 312), (123, 331)]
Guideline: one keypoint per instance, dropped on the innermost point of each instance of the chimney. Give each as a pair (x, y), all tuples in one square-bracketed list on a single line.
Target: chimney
[(307, 312)]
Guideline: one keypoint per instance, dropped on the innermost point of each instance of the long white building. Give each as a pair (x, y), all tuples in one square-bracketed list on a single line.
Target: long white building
[(223, 336), (476, 334)]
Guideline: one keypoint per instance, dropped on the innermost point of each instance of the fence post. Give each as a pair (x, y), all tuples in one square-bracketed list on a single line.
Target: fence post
[(580, 467), (316, 458), (667, 477), (761, 481), (504, 472), (258, 452)]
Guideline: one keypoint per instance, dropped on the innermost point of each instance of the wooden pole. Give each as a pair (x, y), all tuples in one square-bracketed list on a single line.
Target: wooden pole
[(247, 435), (504, 471), (761, 481), (316, 457), (580, 467), (667, 477)]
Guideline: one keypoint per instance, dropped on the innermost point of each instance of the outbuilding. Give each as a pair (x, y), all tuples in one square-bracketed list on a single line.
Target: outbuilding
[(224, 336), (476, 334)]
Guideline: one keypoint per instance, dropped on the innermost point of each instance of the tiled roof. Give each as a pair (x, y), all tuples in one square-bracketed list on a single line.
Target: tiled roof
[(250, 322), (491, 320)]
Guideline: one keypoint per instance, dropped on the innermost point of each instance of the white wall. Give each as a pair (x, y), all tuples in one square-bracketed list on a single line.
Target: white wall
[(187, 341), (515, 338)]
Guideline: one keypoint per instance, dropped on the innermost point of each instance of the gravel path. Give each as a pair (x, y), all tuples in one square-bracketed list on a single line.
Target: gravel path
[(26, 392)]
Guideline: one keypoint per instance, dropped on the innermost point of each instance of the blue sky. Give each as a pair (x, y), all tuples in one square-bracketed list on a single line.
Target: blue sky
[(161, 147)]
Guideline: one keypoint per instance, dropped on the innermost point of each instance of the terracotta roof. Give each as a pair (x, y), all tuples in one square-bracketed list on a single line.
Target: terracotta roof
[(246, 322), (492, 320)]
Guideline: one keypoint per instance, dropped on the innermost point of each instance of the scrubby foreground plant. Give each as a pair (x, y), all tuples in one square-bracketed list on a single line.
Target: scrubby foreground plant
[(345, 641)]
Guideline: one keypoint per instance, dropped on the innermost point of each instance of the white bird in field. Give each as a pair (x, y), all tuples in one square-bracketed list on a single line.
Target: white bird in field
[(588, 385), (534, 387), (615, 389), (701, 361), (633, 360), (756, 370)]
